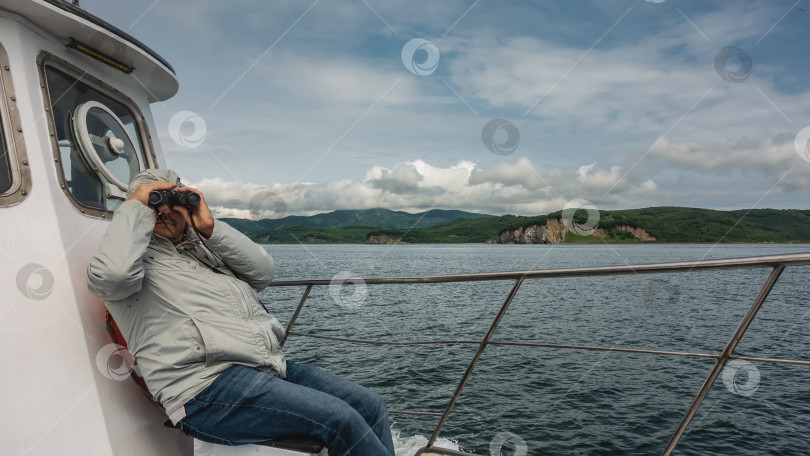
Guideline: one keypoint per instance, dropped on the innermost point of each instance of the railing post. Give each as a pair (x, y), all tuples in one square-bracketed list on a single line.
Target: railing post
[(474, 361), (295, 315), (724, 356)]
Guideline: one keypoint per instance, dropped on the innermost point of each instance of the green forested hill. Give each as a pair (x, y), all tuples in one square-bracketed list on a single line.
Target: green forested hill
[(464, 230), (666, 224), (378, 217), (683, 224)]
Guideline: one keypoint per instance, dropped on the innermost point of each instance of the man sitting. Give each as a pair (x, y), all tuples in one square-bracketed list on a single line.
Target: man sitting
[(182, 288)]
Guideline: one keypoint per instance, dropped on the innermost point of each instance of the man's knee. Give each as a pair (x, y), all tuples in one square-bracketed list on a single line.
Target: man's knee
[(374, 408), (378, 401), (347, 424)]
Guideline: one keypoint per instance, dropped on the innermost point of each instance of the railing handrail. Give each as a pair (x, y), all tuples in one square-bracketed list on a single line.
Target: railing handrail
[(776, 262), (794, 259)]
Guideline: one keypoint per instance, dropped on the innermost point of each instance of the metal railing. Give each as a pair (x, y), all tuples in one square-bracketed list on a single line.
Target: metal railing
[(777, 263)]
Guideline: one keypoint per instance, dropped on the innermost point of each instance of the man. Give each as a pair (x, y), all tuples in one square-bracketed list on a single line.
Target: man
[(182, 288)]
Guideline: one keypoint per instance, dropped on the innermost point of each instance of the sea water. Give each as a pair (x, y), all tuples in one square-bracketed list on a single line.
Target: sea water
[(533, 401)]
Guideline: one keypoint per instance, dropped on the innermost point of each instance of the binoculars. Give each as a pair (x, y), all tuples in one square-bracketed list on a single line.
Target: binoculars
[(173, 198)]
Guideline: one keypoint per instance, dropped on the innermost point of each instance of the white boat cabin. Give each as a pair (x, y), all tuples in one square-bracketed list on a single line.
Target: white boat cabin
[(75, 125)]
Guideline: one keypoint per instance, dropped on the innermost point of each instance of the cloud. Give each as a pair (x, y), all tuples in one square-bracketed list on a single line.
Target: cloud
[(664, 82), (518, 188), (744, 154), (774, 162), (403, 179), (328, 101), (608, 187), (322, 80)]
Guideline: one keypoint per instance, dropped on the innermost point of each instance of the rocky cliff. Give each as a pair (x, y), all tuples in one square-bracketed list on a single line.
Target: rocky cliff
[(383, 239), (553, 232), (638, 233)]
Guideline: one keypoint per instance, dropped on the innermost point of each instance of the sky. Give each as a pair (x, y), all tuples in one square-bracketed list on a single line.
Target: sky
[(521, 107)]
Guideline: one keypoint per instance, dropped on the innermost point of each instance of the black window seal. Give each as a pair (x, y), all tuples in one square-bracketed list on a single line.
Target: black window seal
[(13, 138)]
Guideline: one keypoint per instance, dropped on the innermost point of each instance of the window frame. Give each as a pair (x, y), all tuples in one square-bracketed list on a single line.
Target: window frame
[(46, 59), (12, 137)]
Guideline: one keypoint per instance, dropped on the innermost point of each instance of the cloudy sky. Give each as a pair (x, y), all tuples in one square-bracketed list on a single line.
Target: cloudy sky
[(519, 107)]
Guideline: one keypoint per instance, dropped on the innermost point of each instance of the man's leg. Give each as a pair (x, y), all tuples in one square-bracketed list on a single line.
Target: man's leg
[(368, 403), (245, 405)]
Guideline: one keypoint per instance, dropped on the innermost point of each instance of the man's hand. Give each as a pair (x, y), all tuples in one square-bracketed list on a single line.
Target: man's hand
[(142, 192), (200, 217)]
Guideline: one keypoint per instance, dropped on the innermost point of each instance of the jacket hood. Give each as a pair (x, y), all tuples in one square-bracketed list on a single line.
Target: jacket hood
[(152, 175)]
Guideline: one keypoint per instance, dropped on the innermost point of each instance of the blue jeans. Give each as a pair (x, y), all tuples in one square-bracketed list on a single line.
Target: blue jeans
[(245, 405)]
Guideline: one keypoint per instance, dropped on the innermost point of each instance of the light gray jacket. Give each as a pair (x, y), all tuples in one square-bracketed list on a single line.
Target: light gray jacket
[(185, 314)]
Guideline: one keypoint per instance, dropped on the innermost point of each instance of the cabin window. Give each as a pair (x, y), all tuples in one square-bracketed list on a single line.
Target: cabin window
[(15, 178), (99, 136)]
